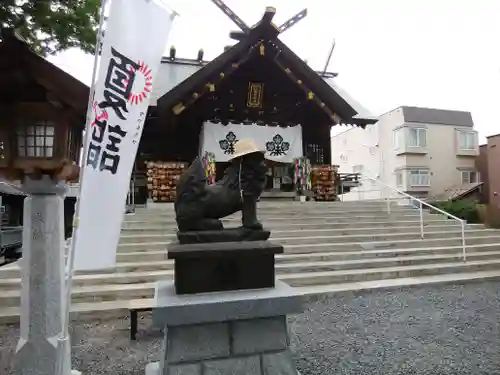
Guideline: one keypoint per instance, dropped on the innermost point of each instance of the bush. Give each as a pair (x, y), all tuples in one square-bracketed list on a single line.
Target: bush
[(493, 216), (463, 209)]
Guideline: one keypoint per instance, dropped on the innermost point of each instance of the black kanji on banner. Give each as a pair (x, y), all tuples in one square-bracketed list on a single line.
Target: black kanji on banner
[(227, 144), (111, 154), (101, 155), (277, 147), (118, 83)]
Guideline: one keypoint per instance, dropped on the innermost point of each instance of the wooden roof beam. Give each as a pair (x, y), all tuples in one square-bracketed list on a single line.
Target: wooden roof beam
[(292, 21), (310, 94), (268, 16), (231, 15), (212, 84), (265, 27)]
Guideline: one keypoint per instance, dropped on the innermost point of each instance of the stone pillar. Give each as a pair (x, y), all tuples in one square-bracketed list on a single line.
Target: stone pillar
[(225, 333), (42, 277)]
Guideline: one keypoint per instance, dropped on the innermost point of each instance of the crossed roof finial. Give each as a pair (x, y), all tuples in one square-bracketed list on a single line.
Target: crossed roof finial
[(268, 15)]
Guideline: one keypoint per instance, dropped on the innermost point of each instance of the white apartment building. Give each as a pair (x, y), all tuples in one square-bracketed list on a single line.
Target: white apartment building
[(420, 151)]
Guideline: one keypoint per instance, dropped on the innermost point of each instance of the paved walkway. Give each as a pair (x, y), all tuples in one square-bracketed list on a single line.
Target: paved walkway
[(432, 330)]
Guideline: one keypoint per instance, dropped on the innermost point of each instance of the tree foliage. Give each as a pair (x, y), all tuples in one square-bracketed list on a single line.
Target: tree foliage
[(50, 26)]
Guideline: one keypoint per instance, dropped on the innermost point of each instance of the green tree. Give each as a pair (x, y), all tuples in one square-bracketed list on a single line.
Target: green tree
[(50, 26)]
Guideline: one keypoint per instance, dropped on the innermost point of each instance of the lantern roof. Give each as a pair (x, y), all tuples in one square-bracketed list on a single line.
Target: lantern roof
[(19, 64)]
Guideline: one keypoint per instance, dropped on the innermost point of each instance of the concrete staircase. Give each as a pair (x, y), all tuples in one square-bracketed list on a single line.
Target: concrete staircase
[(329, 247)]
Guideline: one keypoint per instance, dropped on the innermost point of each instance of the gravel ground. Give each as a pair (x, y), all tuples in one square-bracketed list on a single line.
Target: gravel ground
[(435, 330)]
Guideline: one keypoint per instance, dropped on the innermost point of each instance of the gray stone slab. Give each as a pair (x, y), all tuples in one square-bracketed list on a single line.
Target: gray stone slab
[(259, 335), (153, 368), (172, 309), (279, 364), (194, 369), (197, 343), (233, 366)]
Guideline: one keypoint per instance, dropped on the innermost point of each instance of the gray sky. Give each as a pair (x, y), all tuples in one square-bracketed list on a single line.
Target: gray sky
[(431, 53)]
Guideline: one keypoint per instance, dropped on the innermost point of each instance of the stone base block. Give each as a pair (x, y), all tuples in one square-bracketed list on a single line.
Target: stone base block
[(173, 310), (231, 333), (269, 364), (222, 266)]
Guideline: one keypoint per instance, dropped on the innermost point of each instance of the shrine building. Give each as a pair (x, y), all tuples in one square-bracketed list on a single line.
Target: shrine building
[(257, 88)]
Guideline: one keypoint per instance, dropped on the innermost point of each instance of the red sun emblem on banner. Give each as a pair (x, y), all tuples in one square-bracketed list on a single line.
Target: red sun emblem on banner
[(102, 116), (142, 83)]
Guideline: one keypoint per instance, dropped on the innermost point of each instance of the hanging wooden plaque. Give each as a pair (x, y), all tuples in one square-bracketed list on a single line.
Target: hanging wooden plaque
[(255, 95)]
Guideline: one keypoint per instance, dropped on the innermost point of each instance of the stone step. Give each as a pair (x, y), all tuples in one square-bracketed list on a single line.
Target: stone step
[(292, 210), (93, 293), (92, 310), (302, 262), (331, 277), (410, 234), (302, 230), (295, 274), (283, 215), (300, 277), (311, 204), (159, 255), (404, 243), (158, 260), (447, 240), (290, 219), (120, 308), (297, 208), (333, 235), (154, 228)]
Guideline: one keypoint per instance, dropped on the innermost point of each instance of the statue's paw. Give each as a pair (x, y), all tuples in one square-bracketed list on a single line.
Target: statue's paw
[(254, 226)]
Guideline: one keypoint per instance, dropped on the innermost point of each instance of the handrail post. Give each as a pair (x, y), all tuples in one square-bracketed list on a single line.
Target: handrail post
[(464, 253), (421, 221)]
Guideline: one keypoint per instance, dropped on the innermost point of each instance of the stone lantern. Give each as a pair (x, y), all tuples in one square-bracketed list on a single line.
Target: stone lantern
[(42, 115), (40, 152)]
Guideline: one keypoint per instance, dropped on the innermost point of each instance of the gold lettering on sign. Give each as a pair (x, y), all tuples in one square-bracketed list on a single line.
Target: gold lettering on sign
[(255, 95)]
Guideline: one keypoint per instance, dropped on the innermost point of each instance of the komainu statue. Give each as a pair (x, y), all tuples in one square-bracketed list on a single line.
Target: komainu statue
[(199, 207)]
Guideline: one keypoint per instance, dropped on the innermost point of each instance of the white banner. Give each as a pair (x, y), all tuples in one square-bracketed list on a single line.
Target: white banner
[(280, 144), (135, 39)]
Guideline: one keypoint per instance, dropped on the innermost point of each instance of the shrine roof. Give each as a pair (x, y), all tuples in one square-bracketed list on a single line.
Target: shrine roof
[(17, 58), (178, 78)]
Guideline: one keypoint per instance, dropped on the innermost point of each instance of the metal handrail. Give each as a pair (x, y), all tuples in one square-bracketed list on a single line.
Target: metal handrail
[(421, 204)]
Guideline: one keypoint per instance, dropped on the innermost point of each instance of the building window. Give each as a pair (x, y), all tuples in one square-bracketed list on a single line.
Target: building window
[(397, 138), (419, 178), (418, 137), (469, 177), (399, 178), (36, 140), (468, 140)]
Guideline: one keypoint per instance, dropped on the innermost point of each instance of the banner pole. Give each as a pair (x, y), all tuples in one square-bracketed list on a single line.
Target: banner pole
[(71, 253)]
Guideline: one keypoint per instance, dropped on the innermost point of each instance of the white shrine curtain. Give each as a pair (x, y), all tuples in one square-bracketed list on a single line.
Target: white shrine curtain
[(280, 144)]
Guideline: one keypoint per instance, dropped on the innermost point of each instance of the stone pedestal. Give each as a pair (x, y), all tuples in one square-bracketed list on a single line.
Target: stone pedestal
[(220, 266), (42, 277), (225, 333)]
